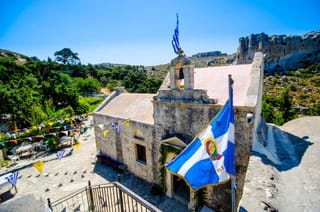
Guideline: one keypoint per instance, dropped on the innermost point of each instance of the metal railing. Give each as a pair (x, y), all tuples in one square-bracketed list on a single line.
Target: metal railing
[(106, 197)]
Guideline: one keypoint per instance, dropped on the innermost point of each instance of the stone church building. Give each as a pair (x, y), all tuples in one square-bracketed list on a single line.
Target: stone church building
[(145, 131)]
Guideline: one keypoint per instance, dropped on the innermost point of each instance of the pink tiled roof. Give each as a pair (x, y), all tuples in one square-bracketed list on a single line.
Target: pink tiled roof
[(131, 106), (215, 81)]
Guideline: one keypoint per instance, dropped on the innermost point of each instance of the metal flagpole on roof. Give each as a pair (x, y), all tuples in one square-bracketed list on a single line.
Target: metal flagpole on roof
[(233, 178)]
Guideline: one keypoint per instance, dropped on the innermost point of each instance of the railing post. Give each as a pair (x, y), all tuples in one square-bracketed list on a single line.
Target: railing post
[(120, 193), (119, 178), (91, 203), (49, 204)]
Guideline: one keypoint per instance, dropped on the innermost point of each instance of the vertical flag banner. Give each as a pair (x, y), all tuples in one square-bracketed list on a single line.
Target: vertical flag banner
[(15, 128), (117, 128), (12, 178), (209, 158), (60, 154), (105, 133), (127, 123), (39, 166)]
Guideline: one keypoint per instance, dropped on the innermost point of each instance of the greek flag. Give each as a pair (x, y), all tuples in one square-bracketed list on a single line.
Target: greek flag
[(209, 158), (60, 154), (175, 41), (12, 178)]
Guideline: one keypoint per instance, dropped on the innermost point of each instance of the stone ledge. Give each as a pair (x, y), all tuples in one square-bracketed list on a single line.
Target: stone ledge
[(187, 96)]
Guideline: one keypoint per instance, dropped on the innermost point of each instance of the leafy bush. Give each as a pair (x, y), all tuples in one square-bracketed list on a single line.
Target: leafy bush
[(278, 110), (52, 143), (83, 108), (4, 163)]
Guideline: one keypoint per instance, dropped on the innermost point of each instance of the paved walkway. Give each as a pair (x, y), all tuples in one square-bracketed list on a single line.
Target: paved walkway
[(284, 174), (62, 177)]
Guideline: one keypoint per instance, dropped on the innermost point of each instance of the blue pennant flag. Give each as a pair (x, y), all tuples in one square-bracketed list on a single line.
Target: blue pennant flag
[(60, 154), (12, 178), (175, 41), (209, 158), (117, 128)]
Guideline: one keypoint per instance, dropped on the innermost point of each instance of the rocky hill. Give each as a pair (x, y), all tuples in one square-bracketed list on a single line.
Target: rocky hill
[(19, 58), (202, 59), (282, 53), (211, 58)]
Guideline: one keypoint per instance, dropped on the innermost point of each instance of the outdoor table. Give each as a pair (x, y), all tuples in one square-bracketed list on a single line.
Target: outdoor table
[(37, 146), (25, 150), (65, 141)]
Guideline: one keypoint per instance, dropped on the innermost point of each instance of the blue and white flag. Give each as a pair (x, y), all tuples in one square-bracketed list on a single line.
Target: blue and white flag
[(209, 158), (60, 154), (175, 40), (12, 178)]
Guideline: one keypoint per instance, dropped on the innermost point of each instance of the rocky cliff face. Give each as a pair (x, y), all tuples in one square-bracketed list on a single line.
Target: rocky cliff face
[(282, 53)]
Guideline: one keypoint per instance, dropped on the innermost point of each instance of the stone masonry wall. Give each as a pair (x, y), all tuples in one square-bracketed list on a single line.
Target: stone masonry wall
[(121, 145)]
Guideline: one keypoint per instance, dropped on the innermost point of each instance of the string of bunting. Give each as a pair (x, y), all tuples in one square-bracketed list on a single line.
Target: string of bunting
[(12, 137), (113, 125), (50, 123)]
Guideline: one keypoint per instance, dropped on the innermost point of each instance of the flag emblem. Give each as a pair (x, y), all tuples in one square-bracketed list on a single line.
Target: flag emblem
[(212, 149)]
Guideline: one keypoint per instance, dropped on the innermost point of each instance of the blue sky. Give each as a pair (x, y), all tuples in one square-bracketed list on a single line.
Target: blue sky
[(140, 31)]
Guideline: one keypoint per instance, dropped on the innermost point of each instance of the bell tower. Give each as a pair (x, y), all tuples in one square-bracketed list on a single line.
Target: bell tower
[(181, 73)]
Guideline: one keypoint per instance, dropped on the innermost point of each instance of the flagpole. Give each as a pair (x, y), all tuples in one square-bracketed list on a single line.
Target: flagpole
[(233, 178)]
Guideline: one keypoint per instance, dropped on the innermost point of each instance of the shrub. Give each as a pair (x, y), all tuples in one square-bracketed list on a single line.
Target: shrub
[(52, 143)]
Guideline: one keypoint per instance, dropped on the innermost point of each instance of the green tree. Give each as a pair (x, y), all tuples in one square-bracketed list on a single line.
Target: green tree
[(66, 56), (86, 86), (285, 106), (315, 110), (267, 110), (37, 115)]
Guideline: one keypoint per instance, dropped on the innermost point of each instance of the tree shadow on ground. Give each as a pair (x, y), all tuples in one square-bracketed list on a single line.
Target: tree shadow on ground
[(280, 149)]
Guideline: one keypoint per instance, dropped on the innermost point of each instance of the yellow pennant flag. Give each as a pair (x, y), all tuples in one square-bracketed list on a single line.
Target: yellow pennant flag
[(15, 128), (105, 133), (76, 146), (39, 166), (127, 123)]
